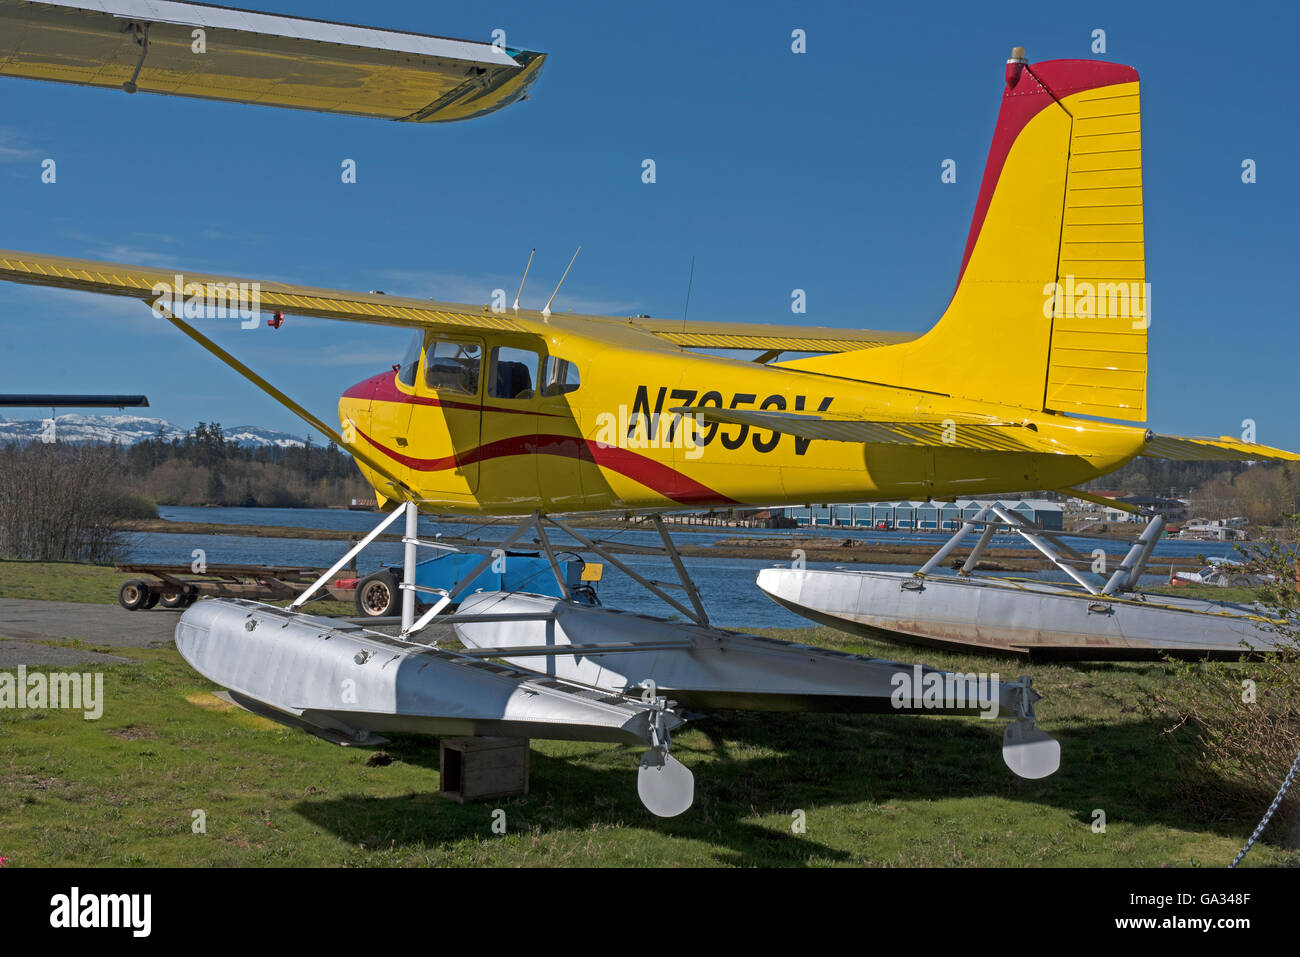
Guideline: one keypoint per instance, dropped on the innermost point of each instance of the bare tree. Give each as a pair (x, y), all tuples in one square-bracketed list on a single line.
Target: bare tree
[(58, 503)]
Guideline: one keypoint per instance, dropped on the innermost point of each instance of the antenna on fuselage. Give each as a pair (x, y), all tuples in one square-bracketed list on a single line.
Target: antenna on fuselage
[(689, 283), (525, 279), (547, 310)]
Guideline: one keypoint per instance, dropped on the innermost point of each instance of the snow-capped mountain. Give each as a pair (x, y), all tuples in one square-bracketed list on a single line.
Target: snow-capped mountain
[(255, 435), (127, 430)]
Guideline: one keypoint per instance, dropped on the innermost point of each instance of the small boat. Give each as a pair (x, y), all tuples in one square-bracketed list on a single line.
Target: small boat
[(1223, 572)]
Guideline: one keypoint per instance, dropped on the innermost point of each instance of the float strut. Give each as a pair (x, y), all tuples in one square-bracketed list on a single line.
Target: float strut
[(409, 559)]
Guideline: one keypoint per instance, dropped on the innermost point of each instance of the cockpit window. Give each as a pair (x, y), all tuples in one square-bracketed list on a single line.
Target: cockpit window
[(560, 377), (453, 366), (514, 373), (411, 361)]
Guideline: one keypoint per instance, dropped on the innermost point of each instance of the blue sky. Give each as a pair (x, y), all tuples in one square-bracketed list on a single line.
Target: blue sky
[(819, 171)]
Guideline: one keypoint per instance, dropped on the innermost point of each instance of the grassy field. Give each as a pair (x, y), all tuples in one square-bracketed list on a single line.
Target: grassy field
[(60, 581), (874, 789)]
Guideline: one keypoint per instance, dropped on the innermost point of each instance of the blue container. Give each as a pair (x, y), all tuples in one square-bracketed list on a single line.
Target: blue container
[(513, 571)]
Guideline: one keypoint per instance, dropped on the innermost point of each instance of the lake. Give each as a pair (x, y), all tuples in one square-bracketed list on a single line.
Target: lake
[(726, 584)]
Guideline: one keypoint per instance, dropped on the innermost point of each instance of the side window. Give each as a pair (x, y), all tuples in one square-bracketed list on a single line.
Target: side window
[(453, 366), (560, 378), (411, 361), (513, 373)]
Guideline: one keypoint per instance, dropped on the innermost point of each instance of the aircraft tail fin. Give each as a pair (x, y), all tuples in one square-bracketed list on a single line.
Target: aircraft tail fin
[(1050, 310)]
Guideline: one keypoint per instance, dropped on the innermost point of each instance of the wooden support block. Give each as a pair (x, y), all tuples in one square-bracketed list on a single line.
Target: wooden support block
[(475, 769)]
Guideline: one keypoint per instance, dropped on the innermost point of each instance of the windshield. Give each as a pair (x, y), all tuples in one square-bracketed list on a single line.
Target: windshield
[(411, 361), (453, 366)]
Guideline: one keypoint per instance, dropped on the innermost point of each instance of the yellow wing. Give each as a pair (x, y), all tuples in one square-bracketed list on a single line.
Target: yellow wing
[(144, 282), (252, 57)]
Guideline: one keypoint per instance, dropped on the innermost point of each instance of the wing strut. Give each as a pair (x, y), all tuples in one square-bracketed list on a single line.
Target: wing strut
[(284, 400)]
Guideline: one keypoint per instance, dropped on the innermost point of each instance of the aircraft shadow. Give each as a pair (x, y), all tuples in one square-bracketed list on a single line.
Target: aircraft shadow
[(811, 762)]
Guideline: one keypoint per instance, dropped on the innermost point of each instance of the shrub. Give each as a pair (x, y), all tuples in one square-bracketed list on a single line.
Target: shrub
[(130, 506), (1238, 727), (57, 503)]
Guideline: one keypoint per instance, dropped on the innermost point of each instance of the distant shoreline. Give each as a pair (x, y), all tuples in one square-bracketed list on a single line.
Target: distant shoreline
[(817, 549)]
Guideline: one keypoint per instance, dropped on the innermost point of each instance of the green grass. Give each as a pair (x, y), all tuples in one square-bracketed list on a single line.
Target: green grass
[(1232, 594), (60, 581), (875, 789)]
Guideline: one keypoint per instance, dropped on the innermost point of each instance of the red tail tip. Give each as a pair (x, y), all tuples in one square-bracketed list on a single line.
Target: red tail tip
[(1014, 69), (1015, 66)]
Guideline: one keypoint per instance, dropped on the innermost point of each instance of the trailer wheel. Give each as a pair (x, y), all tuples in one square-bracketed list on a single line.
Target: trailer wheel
[(376, 595), (150, 598), (133, 594), (173, 596)]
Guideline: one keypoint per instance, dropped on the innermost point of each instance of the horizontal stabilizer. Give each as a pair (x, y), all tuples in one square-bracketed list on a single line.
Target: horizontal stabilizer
[(988, 434), (244, 56), (762, 337), (1223, 449)]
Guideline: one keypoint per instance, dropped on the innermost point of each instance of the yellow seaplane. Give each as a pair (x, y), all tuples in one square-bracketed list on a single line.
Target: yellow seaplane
[(501, 410)]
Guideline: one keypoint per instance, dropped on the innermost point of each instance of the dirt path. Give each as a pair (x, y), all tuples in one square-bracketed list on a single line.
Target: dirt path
[(27, 624)]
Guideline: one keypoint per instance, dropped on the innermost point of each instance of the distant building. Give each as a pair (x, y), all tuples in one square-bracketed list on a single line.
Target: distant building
[(1173, 509), (1220, 529), (921, 516), (773, 517)]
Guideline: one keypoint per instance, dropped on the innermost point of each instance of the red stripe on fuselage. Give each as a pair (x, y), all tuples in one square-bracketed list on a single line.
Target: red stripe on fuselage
[(655, 476)]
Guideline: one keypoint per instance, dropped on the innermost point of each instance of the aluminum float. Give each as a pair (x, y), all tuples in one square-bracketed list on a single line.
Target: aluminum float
[(701, 667), (1094, 616), (572, 670), (349, 683)]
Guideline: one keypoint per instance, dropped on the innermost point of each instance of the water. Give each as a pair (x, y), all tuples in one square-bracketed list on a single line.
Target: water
[(726, 584)]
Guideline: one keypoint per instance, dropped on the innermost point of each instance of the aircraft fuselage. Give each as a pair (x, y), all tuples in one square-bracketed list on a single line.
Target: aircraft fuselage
[(508, 437)]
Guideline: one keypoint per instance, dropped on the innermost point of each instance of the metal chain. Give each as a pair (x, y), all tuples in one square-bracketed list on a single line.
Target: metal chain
[(1286, 784)]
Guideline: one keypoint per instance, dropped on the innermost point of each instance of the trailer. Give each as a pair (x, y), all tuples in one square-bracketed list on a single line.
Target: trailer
[(179, 586)]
